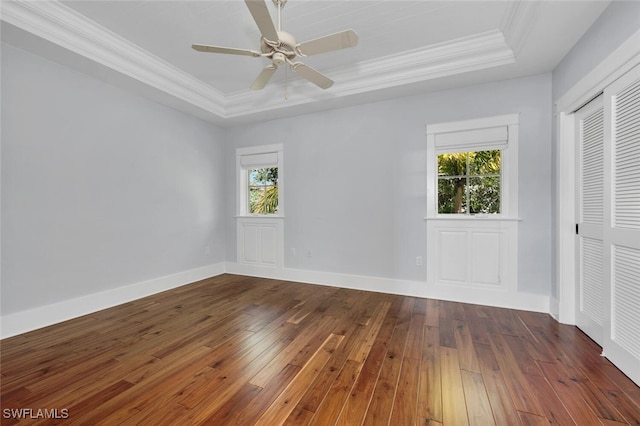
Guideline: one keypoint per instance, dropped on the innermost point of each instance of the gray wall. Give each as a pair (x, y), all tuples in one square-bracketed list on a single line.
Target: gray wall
[(355, 184), (618, 22), (100, 188)]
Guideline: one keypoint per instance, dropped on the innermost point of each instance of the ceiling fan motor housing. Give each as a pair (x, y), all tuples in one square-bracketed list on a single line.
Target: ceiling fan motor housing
[(286, 46)]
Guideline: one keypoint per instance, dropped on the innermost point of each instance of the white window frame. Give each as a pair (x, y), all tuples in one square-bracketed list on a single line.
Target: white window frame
[(498, 132), (255, 157)]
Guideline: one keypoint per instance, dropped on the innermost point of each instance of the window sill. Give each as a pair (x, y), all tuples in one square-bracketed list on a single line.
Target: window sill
[(483, 218), (259, 216)]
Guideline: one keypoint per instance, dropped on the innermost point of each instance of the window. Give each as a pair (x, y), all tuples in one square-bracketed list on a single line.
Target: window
[(263, 190), (260, 175), (472, 168), (469, 182)]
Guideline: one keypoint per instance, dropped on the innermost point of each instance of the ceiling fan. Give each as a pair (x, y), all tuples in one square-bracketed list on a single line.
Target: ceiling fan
[(281, 47)]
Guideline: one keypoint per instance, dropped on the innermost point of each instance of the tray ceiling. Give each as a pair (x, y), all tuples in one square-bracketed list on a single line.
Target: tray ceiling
[(405, 47)]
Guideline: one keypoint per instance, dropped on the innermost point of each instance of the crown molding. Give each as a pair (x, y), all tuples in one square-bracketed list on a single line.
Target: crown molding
[(480, 51), (518, 22), (59, 24), (55, 22)]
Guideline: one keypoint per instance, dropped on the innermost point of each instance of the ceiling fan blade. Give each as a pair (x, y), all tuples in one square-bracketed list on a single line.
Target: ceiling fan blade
[(263, 77), (328, 43), (228, 50), (312, 75), (260, 13)]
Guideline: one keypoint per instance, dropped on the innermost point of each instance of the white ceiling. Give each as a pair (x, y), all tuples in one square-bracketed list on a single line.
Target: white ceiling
[(404, 47)]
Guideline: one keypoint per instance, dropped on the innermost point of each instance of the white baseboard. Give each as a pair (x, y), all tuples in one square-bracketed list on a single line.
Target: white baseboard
[(24, 321), (42, 316), (524, 301)]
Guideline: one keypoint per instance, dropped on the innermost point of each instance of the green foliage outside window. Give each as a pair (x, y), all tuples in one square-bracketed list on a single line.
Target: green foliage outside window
[(469, 182), (263, 191)]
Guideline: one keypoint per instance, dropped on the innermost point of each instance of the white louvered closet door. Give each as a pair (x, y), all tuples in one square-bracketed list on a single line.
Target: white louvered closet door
[(622, 219), (591, 284)]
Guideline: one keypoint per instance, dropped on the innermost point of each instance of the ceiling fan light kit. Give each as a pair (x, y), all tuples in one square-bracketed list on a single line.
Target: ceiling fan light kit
[(281, 47)]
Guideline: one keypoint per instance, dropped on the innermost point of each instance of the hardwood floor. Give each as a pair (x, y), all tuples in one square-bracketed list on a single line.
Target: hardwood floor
[(239, 350)]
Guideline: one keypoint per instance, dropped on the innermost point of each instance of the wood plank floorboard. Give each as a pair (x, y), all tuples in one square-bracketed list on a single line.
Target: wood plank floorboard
[(236, 350)]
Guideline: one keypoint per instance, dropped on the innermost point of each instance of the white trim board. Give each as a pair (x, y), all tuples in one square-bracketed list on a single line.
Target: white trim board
[(42, 316), (502, 299)]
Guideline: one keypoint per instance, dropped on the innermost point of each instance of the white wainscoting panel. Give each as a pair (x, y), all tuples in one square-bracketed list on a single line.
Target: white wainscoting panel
[(473, 253), (487, 265), (452, 256), (260, 241), (250, 243)]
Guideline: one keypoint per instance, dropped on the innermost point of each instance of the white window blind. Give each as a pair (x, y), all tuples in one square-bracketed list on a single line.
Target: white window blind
[(473, 140), (256, 161)]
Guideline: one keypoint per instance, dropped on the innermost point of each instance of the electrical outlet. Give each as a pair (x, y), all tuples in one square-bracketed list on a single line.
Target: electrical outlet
[(308, 252), (293, 252), (207, 249), (419, 261)]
